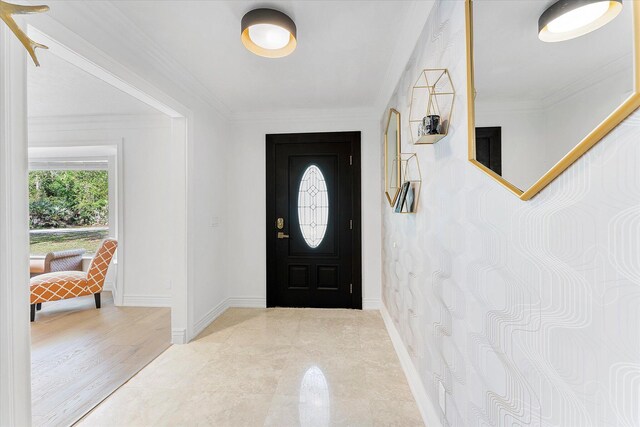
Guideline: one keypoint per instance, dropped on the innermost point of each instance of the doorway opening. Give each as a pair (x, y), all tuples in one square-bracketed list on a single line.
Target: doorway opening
[(314, 253), (99, 150)]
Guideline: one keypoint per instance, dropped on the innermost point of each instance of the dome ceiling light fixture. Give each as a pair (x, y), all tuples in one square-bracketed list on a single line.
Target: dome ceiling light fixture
[(568, 19), (269, 33)]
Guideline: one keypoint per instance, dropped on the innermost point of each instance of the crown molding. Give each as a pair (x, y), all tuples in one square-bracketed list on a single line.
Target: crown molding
[(306, 115), (97, 122), (132, 37), (509, 106), (577, 87), (141, 51), (144, 53), (590, 79)]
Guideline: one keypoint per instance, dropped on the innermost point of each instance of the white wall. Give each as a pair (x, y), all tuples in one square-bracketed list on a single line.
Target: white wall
[(146, 163), (247, 197), (570, 119), (527, 312), (209, 262), (536, 135)]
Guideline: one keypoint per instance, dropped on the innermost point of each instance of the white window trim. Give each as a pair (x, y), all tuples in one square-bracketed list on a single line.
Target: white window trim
[(86, 163), (111, 152)]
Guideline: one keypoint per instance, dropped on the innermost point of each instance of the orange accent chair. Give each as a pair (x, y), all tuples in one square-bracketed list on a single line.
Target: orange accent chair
[(71, 284)]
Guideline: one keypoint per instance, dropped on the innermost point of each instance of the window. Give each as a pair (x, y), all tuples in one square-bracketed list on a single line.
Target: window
[(313, 206), (68, 205)]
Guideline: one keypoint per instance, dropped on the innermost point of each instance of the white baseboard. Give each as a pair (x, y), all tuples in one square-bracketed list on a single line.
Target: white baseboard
[(371, 304), (215, 312), (146, 301), (248, 302), (108, 287), (425, 405), (208, 318), (179, 336)]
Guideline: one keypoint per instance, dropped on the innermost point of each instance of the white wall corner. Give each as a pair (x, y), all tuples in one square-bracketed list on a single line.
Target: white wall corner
[(415, 21), (371, 303), (110, 287), (208, 318), (178, 336), (425, 405), (117, 298), (215, 312)]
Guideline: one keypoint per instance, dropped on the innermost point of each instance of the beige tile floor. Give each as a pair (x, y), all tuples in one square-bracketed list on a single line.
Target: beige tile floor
[(271, 367)]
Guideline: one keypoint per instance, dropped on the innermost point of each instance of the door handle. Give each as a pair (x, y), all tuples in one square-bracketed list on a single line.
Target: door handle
[(281, 235)]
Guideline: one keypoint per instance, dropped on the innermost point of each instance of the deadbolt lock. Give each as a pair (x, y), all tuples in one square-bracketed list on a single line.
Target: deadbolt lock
[(280, 223)]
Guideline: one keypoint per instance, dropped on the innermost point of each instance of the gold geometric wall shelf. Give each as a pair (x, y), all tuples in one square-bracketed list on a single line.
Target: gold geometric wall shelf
[(432, 95), (408, 198)]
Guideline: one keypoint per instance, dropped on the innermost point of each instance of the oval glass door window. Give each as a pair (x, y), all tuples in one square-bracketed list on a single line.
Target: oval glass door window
[(313, 206)]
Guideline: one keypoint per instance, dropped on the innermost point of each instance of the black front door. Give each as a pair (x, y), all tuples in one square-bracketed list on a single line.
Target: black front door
[(313, 220), (489, 148)]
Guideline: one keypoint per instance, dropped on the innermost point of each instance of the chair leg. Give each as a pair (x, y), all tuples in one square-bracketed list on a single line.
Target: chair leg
[(97, 297), (39, 306), (33, 312)]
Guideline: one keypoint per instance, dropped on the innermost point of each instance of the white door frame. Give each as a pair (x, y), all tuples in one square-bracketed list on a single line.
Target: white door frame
[(15, 332), (15, 339), (76, 51)]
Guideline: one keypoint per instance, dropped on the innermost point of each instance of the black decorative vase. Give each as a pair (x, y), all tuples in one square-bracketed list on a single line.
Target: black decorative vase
[(430, 124)]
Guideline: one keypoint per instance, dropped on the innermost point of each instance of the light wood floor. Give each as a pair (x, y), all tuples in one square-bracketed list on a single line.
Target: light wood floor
[(81, 355)]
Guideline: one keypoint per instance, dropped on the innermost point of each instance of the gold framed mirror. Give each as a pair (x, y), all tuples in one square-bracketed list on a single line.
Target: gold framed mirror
[(392, 156), (537, 105)]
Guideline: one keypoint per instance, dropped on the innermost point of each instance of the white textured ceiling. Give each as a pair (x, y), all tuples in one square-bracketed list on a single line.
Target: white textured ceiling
[(347, 50), (58, 88)]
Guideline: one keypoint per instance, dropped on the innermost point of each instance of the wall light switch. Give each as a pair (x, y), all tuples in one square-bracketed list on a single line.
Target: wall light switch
[(442, 397)]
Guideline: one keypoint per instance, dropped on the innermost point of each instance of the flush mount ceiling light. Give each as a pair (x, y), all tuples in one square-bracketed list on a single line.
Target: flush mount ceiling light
[(568, 19), (269, 33)]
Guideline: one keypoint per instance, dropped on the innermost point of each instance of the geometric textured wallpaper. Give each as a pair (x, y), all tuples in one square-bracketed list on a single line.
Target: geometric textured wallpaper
[(527, 312)]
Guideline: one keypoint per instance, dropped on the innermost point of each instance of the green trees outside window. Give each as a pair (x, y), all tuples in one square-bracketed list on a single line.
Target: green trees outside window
[(64, 199), (68, 198)]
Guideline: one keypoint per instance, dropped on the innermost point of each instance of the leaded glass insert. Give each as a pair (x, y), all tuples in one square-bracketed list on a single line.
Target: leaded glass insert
[(313, 206)]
